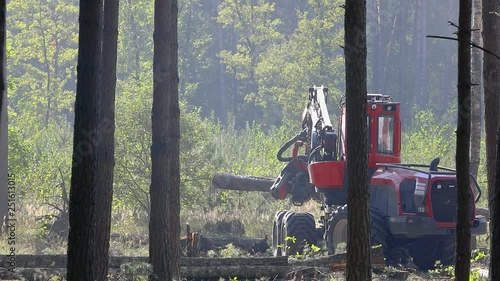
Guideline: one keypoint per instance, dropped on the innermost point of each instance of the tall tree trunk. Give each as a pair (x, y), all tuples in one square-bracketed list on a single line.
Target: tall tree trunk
[(464, 198), (106, 113), (222, 78), (92, 170), (48, 86), (135, 38), (358, 245), (377, 48), (491, 82), (387, 56), (3, 118), (495, 220), (416, 41), (421, 95), (423, 67), (164, 224), (403, 62), (476, 108)]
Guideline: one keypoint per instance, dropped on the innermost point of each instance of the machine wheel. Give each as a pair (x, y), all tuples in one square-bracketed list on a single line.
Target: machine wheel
[(277, 233), (425, 252), (448, 251), (380, 234), (398, 253), (337, 231), (299, 229)]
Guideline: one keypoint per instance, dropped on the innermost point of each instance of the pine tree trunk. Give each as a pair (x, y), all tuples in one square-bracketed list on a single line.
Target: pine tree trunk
[(378, 49), (93, 148), (106, 112), (476, 108), (83, 256), (464, 198), (416, 41), (491, 83), (358, 247), (3, 118), (423, 67), (164, 224), (495, 221)]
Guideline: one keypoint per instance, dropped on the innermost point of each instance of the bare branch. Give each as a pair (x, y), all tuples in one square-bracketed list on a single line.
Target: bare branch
[(64, 196), (452, 24), (470, 43)]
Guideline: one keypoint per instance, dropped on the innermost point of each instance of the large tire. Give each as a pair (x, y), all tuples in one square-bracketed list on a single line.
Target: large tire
[(398, 253), (424, 253), (277, 233), (337, 230), (448, 251), (427, 251), (299, 230), (380, 234)]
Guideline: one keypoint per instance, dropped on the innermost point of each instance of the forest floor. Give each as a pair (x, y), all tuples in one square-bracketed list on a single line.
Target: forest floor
[(33, 239), (139, 271)]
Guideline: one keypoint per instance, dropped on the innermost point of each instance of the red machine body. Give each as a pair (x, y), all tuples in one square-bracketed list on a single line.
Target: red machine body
[(412, 206)]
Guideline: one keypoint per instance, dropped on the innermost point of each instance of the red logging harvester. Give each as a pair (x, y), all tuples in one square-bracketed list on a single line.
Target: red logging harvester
[(412, 206)]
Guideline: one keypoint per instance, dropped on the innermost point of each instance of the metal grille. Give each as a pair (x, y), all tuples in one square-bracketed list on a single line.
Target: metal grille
[(444, 201)]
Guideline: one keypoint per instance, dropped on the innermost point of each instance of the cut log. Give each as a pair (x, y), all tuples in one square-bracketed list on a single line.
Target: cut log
[(251, 245), (251, 267), (205, 244), (190, 272), (250, 261), (242, 271), (242, 183), (59, 261), (338, 262)]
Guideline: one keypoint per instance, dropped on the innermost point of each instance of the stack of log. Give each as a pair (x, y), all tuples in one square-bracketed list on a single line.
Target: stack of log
[(196, 267)]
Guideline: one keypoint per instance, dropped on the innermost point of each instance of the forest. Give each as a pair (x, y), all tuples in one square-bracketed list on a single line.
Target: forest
[(244, 71)]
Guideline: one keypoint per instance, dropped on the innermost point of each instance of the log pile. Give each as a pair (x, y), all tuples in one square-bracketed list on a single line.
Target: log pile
[(196, 267)]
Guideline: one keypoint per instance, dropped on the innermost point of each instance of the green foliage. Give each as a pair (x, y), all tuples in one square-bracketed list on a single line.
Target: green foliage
[(449, 271), (134, 271), (427, 139)]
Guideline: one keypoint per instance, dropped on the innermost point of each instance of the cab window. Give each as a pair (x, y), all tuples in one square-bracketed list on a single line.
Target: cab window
[(385, 134)]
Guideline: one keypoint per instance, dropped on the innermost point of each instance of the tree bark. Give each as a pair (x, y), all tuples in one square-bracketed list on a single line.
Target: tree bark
[(476, 108), (358, 247), (491, 84), (3, 118), (416, 41), (164, 224), (106, 113), (377, 48), (462, 262), (494, 222), (93, 149), (83, 255)]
